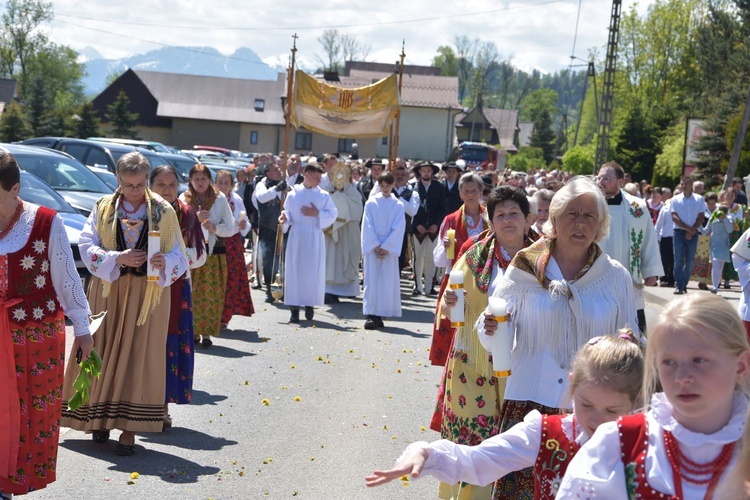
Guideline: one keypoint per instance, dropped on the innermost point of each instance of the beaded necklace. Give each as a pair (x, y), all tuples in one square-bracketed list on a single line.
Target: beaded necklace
[(693, 472), (13, 220)]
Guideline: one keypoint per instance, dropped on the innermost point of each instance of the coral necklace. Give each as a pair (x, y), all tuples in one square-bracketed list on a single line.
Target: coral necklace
[(13, 220), (693, 472)]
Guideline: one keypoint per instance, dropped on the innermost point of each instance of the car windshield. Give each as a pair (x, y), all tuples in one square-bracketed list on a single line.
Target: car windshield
[(183, 166), (61, 173), (37, 192)]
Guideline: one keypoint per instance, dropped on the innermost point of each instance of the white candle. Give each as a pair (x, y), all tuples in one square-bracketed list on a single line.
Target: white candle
[(243, 216), (502, 340), (456, 283), (154, 247)]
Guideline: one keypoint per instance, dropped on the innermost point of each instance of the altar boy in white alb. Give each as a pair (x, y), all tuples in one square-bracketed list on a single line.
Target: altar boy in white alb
[(308, 210), (383, 227)]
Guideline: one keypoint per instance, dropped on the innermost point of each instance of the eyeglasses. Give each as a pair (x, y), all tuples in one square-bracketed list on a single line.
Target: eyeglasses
[(602, 178), (134, 187)]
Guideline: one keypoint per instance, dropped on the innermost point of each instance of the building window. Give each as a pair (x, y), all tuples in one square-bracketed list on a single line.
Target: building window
[(259, 104), (384, 140), (345, 145), (303, 141), (254, 137)]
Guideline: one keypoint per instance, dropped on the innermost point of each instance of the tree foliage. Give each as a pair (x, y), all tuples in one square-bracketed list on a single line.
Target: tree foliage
[(21, 37), (13, 124), (543, 137), (87, 124), (579, 159), (527, 158), (120, 117), (340, 47)]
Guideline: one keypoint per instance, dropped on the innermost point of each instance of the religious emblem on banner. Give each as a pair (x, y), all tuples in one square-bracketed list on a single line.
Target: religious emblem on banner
[(344, 112)]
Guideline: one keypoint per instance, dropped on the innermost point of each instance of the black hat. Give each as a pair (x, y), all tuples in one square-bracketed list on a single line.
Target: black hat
[(435, 167), (487, 181), (459, 165)]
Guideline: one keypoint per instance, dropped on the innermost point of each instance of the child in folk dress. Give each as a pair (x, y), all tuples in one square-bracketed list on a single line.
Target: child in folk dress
[(605, 383), (689, 438)]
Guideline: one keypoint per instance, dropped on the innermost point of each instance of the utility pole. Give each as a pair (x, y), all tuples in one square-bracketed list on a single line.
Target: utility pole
[(604, 125), (738, 141)]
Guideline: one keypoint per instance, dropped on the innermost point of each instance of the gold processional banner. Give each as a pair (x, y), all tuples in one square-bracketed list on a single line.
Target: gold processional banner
[(344, 112)]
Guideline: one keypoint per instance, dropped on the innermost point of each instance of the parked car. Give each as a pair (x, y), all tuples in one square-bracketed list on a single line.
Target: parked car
[(73, 181), (35, 191), (93, 153), (109, 177), (154, 146)]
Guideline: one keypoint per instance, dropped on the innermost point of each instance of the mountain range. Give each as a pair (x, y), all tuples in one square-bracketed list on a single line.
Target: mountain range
[(204, 61)]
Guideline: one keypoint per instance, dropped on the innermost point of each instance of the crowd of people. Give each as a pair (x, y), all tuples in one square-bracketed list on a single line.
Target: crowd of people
[(586, 407)]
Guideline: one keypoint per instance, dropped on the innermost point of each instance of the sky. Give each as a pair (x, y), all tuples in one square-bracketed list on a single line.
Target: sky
[(533, 34)]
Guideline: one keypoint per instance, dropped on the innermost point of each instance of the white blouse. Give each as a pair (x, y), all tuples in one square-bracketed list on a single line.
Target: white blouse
[(597, 470), (103, 263), (239, 207), (65, 278), (495, 457), (220, 216)]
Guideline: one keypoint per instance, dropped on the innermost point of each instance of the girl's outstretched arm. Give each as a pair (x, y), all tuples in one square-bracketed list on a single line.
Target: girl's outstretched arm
[(411, 463)]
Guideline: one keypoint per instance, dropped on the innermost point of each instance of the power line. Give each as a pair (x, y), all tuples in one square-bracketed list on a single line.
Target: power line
[(308, 27), (575, 37)]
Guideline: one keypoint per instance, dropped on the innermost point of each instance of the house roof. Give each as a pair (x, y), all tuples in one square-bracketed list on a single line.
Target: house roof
[(525, 129), (214, 98), (418, 90), (505, 121), (411, 69), (7, 90)]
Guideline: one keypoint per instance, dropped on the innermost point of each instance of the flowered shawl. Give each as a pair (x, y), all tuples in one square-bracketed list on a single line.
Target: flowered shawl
[(191, 198), (535, 259), (161, 218), (481, 258)]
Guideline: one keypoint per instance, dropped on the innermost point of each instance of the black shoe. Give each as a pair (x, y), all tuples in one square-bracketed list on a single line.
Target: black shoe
[(416, 292), (433, 291), (125, 450), (100, 436), (379, 322), (678, 291), (702, 286), (331, 299), (370, 324), (295, 316), (309, 313), (726, 285), (269, 298), (206, 342)]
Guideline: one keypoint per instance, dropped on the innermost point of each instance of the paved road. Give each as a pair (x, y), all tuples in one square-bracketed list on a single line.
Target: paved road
[(363, 396)]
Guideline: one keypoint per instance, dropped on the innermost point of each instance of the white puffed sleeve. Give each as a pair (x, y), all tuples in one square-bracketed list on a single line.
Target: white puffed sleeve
[(100, 262), (65, 279)]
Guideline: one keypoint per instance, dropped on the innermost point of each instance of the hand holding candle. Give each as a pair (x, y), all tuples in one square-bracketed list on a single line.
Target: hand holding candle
[(456, 283), (154, 247), (502, 340), (450, 252)]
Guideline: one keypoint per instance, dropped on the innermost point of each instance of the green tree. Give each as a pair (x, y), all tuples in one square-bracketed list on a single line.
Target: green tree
[(527, 157), (87, 124), (668, 165), (537, 101), (580, 159), (446, 61), (13, 125), (38, 106), (637, 145), (121, 118), (21, 36), (543, 137)]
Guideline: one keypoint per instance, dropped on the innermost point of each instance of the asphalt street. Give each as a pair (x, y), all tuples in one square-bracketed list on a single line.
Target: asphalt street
[(283, 411)]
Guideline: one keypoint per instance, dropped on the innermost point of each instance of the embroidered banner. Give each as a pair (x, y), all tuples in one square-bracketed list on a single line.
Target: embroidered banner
[(344, 112)]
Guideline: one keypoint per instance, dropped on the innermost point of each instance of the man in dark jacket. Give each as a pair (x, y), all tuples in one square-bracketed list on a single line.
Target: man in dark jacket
[(453, 171), (426, 225)]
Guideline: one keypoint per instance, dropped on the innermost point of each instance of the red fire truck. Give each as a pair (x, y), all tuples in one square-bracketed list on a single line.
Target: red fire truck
[(478, 155)]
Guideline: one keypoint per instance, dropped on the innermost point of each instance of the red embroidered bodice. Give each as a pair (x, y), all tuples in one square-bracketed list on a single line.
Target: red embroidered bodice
[(555, 453)]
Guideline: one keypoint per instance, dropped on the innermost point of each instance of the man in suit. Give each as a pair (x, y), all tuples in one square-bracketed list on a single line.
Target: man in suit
[(426, 224), (453, 171), (369, 182), (294, 170)]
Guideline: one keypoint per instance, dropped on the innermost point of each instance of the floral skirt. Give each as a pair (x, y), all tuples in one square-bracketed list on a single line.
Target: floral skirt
[(209, 289), (442, 332), (39, 352), (518, 485), (470, 405), (702, 268), (237, 299), (181, 351)]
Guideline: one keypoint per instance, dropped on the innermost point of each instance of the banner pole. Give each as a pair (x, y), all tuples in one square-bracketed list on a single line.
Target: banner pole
[(395, 141)]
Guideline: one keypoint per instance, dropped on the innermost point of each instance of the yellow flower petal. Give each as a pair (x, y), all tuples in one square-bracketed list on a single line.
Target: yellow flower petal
[(265, 402), (297, 398), (134, 475)]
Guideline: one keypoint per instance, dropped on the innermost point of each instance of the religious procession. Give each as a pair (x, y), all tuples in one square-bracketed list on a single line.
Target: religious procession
[(553, 381)]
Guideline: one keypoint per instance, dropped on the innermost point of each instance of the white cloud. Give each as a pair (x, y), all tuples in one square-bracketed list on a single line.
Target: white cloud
[(533, 33)]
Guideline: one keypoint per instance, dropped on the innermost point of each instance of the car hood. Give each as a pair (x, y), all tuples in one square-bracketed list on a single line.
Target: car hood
[(73, 225), (82, 201)]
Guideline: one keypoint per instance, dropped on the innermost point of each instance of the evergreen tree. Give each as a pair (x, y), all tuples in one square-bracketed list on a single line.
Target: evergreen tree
[(543, 136), (88, 123), (121, 119), (637, 146), (13, 125), (37, 106)]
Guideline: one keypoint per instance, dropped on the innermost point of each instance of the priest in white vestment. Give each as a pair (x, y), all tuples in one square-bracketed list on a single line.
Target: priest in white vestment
[(308, 210), (383, 227), (343, 250)]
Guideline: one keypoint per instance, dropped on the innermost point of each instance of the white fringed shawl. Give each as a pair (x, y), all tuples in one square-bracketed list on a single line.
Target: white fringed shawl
[(601, 301)]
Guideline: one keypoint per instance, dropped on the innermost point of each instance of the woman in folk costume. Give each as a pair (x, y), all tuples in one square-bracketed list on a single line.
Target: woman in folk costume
[(36, 287), (741, 262), (132, 343), (468, 221), (209, 280), (737, 214), (469, 397), (561, 291), (382, 235), (237, 299), (180, 344)]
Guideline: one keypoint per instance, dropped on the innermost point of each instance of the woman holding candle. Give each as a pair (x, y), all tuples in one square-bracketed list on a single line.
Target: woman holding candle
[(180, 345), (469, 396), (237, 299), (210, 280), (561, 292), (467, 222), (129, 395)]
